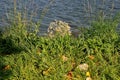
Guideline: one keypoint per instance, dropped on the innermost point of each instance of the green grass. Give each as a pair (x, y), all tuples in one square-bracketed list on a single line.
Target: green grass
[(26, 56), (32, 57)]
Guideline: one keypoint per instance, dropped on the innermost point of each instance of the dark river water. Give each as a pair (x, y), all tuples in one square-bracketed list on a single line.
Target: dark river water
[(76, 12)]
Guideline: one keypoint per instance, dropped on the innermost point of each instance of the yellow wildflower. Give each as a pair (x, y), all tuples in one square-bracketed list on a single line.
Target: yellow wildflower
[(45, 73), (88, 74), (64, 58), (91, 57)]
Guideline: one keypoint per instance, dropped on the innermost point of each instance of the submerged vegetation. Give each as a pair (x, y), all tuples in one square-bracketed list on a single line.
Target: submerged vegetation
[(93, 55)]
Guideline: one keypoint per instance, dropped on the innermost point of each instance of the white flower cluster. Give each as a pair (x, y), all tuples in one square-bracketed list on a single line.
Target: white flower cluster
[(58, 28)]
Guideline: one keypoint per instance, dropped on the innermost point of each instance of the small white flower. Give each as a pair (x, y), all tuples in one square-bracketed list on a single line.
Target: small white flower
[(88, 78), (83, 67)]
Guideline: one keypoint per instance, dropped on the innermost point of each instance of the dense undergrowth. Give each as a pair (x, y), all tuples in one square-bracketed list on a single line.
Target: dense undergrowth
[(26, 56)]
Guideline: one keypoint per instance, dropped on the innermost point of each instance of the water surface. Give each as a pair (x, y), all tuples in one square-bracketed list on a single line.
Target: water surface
[(76, 12)]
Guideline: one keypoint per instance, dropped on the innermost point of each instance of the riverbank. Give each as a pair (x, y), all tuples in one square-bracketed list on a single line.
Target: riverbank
[(94, 54)]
